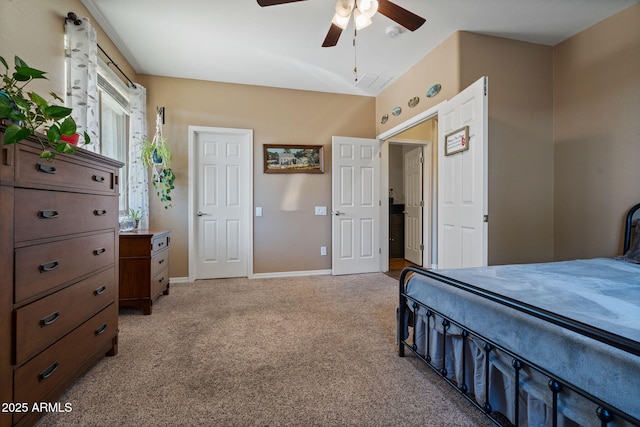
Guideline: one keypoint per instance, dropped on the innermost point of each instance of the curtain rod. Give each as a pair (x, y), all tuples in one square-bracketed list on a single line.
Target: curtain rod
[(71, 16)]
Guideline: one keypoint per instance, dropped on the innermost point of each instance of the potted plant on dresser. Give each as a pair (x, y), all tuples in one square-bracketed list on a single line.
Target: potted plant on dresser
[(30, 114)]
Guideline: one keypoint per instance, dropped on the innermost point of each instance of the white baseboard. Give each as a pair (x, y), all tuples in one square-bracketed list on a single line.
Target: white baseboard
[(290, 274), (268, 275)]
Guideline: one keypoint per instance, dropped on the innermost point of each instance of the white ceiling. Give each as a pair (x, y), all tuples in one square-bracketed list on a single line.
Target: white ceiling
[(238, 41)]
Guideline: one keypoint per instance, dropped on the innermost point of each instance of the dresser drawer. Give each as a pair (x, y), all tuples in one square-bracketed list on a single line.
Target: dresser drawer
[(160, 243), (159, 262), (159, 283), (43, 267), (41, 323), (70, 172), (42, 214), (42, 374)]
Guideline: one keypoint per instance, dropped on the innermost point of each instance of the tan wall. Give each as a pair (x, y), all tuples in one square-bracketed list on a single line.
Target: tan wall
[(597, 128), (520, 143), (288, 236), (440, 66), (34, 30)]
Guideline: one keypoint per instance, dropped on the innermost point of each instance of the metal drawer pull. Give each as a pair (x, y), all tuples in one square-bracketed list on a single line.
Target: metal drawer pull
[(161, 280), (45, 168), (161, 261), (46, 321), (100, 212), (7, 156), (101, 330), (99, 251), (98, 178), (48, 214), (48, 372), (49, 266), (100, 290)]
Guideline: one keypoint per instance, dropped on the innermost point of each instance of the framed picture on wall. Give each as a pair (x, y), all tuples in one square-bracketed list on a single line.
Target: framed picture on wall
[(456, 141), (293, 158)]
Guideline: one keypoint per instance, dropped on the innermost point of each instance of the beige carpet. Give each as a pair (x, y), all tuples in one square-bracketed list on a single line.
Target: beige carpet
[(312, 351)]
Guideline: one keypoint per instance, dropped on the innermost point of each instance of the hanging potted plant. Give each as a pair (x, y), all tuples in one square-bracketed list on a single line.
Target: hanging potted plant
[(30, 114), (157, 157)]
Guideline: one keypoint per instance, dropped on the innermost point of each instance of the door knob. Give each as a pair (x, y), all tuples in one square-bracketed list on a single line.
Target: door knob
[(337, 213), (203, 214)]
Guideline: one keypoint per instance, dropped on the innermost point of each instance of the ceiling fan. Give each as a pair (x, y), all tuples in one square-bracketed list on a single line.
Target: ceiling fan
[(362, 11)]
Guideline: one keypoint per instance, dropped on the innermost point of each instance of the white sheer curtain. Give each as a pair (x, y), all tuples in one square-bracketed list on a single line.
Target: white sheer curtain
[(81, 51), (138, 175)]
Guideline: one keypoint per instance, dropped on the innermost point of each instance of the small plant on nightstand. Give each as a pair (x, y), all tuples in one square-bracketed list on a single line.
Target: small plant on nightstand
[(136, 215)]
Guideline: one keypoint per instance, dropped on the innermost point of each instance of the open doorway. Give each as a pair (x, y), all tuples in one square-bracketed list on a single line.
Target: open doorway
[(410, 178)]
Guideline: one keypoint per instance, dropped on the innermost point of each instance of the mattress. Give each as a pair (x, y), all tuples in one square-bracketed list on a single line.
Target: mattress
[(603, 294)]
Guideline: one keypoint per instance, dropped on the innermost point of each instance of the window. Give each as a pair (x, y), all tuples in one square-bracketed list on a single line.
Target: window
[(114, 125)]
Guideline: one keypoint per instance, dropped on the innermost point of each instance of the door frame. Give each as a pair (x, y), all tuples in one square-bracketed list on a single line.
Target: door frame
[(192, 209), (428, 193), (430, 224)]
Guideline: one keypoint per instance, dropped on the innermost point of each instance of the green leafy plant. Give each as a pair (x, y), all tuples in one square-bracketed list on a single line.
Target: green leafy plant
[(155, 152), (135, 214), (31, 114), (163, 182), (156, 156)]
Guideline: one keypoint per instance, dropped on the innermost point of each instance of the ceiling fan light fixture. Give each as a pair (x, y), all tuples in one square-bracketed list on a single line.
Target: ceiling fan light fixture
[(344, 8), (367, 7), (361, 20), (340, 21)]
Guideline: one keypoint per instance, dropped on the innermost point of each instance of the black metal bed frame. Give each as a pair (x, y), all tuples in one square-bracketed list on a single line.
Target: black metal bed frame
[(629, 226), (605, 411)]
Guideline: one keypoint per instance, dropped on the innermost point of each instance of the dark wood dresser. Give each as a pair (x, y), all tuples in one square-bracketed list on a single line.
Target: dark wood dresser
[(58, 272), (144, 267)]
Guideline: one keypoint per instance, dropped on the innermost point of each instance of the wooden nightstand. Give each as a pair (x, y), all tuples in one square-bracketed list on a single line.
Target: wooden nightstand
[(144, 267)]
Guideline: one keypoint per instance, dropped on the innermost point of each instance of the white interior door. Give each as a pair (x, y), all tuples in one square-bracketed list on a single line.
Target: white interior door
[(413, 206), (221, 205), (462, 179), (355, 205)]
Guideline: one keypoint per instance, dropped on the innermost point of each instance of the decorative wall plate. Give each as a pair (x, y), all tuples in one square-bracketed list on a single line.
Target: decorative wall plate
[(434, 90), (413, 102), (396, 111), (384, 118)]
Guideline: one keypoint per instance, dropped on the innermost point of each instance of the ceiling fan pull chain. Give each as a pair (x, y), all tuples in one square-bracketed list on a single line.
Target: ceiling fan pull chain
[(355, 55)]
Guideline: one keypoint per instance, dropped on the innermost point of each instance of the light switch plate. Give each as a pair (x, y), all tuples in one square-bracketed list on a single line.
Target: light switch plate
[(321, 210), (258, 211)]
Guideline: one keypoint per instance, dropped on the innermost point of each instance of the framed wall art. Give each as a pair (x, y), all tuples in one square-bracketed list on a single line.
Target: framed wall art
[(293, 158), (456, 141)]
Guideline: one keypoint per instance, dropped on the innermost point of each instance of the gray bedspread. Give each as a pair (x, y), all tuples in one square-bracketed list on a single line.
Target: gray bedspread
[(603, 293)]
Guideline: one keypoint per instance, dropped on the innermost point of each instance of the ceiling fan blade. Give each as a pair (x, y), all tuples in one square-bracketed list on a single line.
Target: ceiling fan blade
[(264, 3), (332, 36), (402, 16)]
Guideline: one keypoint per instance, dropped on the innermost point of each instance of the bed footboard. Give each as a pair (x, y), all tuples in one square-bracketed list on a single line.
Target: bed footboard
[(504, 385)]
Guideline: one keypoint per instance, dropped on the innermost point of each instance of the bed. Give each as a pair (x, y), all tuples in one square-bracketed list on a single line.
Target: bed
[(547, 344)]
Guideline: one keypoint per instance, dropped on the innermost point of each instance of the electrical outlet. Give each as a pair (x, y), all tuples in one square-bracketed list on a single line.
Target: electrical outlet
[(323, 250)]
